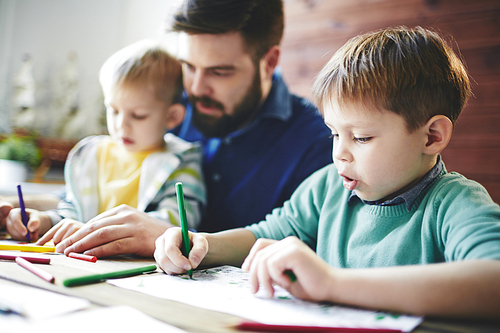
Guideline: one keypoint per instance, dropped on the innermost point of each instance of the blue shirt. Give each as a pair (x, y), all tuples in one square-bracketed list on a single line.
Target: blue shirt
[(255, 169)]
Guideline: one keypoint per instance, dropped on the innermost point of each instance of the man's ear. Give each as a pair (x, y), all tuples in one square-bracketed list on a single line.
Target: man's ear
[(175, 115), (269, 62), (438, 130)]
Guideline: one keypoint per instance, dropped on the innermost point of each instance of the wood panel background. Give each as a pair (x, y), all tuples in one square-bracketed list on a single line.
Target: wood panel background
[(315, 29)]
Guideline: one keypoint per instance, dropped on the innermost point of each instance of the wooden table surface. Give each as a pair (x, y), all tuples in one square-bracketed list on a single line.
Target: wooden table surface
[(186, 317)]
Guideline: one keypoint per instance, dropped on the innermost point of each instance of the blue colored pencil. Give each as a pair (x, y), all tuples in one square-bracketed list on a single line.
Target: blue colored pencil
[(24, 217)]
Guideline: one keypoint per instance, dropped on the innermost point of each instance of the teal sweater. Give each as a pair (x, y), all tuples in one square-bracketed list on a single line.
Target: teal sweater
[(452, 219)]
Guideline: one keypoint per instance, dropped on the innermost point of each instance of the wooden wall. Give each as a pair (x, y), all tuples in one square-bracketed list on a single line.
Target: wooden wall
[(315, 29)]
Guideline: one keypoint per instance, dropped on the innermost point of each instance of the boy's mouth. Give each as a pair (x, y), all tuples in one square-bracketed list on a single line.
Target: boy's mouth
[(349, 183), (127, 141)]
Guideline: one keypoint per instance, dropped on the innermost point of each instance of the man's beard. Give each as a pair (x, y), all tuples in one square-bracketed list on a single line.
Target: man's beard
[(244, 112)]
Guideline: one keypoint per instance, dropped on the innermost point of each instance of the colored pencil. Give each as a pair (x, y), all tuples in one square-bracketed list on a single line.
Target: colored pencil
[(184, 227), (27, 248), (82, 256), (24, 217), (258, 327), (94, 278), (35, 270), (34, 260)]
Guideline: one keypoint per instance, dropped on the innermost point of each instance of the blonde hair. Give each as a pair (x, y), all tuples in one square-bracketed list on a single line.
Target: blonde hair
[(143, 63), (411, 72)]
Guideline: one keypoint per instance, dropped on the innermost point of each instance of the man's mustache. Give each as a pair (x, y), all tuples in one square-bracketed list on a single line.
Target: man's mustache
[(206, 102)]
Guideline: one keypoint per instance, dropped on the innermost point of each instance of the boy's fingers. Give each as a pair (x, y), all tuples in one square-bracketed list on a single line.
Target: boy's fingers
[(163, 260), (198, 251), (173, 252), (33, 224), (259, 245), (5, 209)]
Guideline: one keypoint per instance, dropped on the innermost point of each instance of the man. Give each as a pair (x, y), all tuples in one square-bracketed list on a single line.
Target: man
[(260, 142)]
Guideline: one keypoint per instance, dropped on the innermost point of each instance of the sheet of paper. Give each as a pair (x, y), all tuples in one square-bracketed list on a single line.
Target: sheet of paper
[(226, 289), (35, 303), (109, 319)]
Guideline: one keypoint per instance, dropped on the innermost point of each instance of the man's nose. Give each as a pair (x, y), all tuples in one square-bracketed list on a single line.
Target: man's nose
[(200, 85)]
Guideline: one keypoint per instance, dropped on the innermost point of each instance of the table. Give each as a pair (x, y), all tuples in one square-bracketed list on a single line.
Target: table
[(186, 317)]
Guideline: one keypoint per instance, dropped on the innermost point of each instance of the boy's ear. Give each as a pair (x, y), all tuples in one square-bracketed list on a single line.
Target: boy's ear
[(438, 130), (175, 115), (270, 61)]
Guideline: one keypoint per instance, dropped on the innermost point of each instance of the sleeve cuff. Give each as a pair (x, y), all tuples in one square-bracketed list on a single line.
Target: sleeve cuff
[(54, 217)]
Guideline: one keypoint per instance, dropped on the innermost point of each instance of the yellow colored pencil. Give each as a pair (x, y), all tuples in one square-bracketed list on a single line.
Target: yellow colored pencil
[(27, 248)]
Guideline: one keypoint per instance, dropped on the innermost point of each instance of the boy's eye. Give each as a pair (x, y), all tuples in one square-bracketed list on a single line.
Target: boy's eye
[(363, 140), (334, 136), (139, 116)]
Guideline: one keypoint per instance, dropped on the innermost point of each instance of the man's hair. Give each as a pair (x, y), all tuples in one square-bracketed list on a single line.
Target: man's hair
[(144, 63), (260, 22), (411, 72)]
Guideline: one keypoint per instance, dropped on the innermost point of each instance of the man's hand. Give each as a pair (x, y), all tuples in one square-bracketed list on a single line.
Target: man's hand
[(61, 231), (121, 230)]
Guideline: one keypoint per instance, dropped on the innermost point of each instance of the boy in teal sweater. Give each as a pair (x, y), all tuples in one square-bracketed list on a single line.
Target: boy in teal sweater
[(385, 226)]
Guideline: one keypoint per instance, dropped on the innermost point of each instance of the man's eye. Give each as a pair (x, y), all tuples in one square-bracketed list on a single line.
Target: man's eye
[(188, 67), (334, 136), (221, 73), (363, 140)]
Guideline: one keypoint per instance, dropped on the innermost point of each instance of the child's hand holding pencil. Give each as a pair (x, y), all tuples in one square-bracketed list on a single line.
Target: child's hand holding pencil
[(38, 223), (168, 252)]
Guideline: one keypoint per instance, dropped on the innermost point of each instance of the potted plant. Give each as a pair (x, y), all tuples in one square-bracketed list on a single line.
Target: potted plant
[(18, 155)]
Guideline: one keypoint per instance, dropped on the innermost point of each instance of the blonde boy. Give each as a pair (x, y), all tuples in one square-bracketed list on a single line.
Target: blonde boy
[(385, 226), (136, 165)]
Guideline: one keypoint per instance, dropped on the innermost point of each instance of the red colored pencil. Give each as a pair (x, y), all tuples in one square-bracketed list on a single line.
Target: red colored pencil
[(35, 270), (258, 327), (82, 256)]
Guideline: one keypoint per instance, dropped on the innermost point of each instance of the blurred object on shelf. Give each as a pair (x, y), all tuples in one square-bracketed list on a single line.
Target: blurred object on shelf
[(54, 152), (44, 154), (66, 102), (24, 95), (21, 146)]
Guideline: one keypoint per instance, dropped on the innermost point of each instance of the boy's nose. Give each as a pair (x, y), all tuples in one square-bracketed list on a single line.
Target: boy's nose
[(341, 151), (122, 121)]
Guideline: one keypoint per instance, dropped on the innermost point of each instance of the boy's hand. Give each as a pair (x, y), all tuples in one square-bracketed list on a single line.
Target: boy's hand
[(168, 253), (61, 231), (121, 230), (5, 209), (38, 223), (268, 260)]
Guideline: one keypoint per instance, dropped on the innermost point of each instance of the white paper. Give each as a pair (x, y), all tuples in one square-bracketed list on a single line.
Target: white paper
[(227, 289), (105, 319), (35, 303)]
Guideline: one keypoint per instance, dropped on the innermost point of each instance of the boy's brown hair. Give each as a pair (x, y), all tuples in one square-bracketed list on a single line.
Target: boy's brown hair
[(144, 63), (411, 72)]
